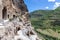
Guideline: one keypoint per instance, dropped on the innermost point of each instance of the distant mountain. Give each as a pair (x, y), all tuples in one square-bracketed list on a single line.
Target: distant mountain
[(47, 14), (39, 16), (47, 20)]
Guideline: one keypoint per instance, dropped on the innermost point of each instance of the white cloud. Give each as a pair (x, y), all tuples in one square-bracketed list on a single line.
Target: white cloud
[(57, 4), (51, 0), (47, 7)]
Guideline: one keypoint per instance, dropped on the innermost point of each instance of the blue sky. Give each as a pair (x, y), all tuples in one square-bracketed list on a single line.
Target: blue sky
[(41, 4)]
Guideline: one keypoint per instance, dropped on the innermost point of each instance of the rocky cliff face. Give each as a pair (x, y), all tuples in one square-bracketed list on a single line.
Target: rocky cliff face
[(14, 23)]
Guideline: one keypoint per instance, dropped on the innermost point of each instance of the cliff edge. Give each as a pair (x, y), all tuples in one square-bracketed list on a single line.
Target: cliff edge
[(14, 21)]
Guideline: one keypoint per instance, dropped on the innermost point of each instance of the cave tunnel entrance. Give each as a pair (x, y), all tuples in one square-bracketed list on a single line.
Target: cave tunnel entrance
[(4, 13)]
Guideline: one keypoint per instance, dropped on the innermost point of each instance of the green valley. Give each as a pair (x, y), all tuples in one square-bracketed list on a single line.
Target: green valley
[(47, 23)]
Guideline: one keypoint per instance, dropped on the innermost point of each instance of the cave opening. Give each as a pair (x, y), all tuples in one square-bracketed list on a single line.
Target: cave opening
[(4, 13)]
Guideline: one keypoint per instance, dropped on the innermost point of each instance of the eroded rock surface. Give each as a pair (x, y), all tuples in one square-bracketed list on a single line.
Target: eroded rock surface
[(14, 30), (15, 23)]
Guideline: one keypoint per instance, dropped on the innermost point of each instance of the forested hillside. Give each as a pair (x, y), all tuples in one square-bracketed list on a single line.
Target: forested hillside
[(47, 23)]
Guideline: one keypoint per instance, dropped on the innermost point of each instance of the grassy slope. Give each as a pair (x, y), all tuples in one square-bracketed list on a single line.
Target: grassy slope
[(47, 23)]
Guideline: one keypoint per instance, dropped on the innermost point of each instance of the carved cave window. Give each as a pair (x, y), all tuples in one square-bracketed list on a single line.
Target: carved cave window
[(8, 16), (13, 16), (4, 13)]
